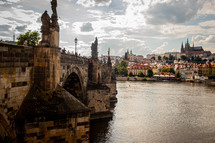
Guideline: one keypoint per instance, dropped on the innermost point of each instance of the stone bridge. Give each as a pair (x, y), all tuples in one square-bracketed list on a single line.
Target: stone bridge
[(22, 67), (47, 95)]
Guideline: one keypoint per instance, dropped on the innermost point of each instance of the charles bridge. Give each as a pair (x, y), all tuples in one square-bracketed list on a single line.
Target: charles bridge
[(47, 95)]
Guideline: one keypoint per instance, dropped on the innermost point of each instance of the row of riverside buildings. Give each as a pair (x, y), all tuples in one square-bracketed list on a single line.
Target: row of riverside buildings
[(156, 62)]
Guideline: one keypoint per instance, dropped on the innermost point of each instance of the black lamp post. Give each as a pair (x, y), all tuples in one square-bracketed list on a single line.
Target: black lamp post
[(76, 41)]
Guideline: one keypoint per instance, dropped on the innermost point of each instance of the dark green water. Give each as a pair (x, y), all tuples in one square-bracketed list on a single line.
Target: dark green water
[(159, 112)]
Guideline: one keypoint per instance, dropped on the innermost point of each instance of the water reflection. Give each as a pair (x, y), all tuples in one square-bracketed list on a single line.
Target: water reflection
[(159, 112)]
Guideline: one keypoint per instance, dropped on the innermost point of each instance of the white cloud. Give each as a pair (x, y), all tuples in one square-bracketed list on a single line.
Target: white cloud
[(160, 49), (92, 3), (210, 23), (199, 39)]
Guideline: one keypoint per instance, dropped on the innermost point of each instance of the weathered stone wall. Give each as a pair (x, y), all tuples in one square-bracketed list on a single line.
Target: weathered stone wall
[(106, 73), (15, 78), (47, 69), (113, 92), (74, 128), (98, 100)]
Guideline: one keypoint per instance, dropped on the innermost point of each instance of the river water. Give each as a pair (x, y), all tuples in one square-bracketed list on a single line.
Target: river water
[(155, 112)]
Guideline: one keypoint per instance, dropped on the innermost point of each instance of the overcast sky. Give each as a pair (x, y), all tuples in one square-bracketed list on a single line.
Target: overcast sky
[(144, 26)]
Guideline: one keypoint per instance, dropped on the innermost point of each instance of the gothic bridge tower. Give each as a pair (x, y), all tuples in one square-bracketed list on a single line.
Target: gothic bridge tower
[(93, 65)]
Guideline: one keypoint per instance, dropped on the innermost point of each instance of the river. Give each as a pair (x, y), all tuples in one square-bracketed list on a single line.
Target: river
[(154, 112)]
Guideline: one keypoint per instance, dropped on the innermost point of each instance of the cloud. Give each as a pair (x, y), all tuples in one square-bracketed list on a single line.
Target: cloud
[(5, 27), (8, 2), (174, 11), (92, 3), (160, 49), (199, 39), (21, 28), (210, 23), (86, 27)]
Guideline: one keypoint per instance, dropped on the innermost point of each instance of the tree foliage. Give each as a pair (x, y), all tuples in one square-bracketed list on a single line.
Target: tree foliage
[(184, 58), (149, 73), (122, 68), (32, 38), (170, 70), (171, 58), (178, 74), (140, 74), (130, 74), (116, 70), (123, 71)]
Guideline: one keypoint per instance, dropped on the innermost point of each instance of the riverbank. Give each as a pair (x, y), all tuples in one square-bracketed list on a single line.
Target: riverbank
[(208, 82), (141, 79)]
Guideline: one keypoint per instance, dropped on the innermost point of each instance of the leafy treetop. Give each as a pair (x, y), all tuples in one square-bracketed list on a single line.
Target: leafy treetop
[(32, 38)]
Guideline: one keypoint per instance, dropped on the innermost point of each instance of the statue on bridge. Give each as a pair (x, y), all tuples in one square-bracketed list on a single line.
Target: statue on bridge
[(45, 29), (54, 6), (54, 15), (50, 28)]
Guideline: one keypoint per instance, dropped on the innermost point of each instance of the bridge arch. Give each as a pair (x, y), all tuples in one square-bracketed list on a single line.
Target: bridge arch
[(74, 84)]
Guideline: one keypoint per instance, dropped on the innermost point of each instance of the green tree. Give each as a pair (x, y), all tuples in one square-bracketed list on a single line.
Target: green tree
[(171, 70), (184, 58), (197, 60), (192, 58), (178, 74), (123, 71), (122, 68), (32, 38), (164, 69), (149, 73), (171, 58), (204, 61), (130, 74), (123, 63), (116, 70), (140, 74)]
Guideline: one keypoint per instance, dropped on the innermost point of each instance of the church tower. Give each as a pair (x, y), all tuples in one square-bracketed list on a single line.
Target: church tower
[(187, 46), (182, 48)]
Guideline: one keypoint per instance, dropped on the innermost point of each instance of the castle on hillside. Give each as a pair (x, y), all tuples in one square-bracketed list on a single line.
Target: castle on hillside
[(187, 48)]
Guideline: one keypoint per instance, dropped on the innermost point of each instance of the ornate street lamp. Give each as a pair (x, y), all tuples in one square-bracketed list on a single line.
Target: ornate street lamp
[(76, 41)]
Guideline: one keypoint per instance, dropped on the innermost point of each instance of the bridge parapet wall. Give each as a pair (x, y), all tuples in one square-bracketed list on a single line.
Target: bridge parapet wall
[(16, 56), (72, 59)]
